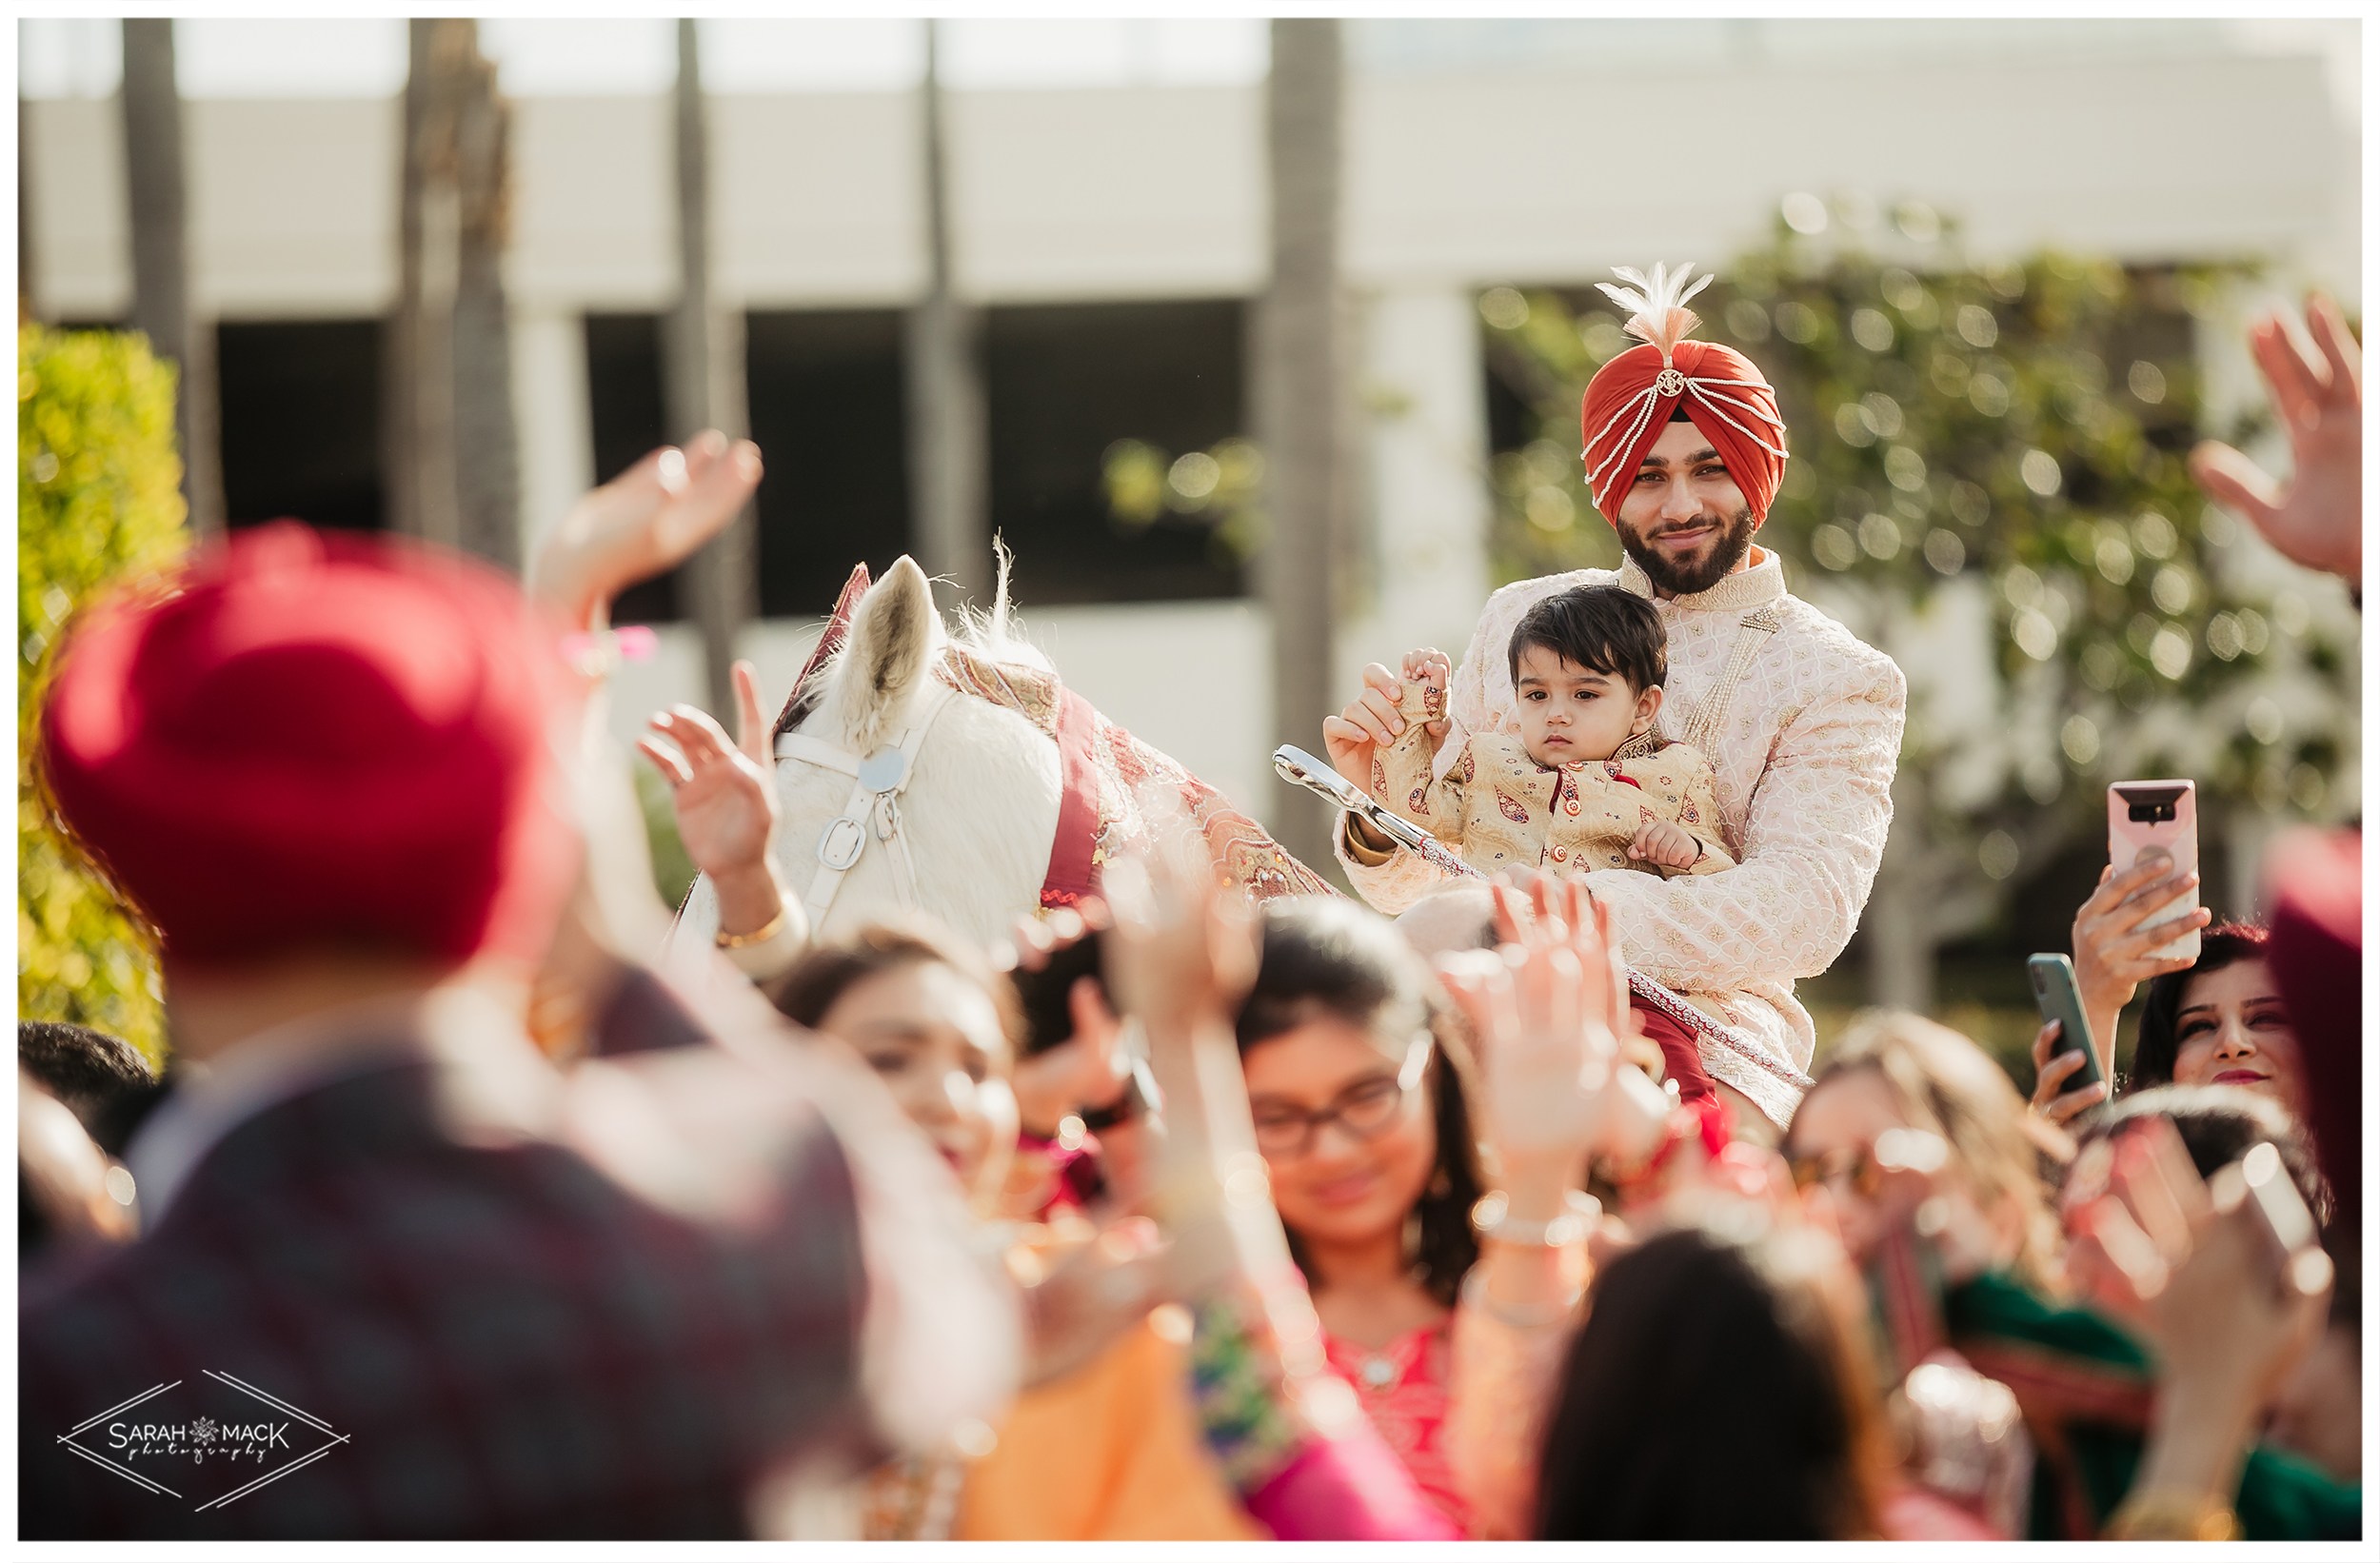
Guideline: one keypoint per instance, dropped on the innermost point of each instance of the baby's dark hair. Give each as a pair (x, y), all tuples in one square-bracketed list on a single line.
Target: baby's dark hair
[(1603, 630)]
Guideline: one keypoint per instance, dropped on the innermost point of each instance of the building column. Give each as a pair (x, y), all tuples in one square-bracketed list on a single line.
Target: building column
[(1427, 504), (551, 408)]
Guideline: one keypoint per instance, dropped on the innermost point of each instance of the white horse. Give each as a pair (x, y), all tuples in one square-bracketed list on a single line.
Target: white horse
[(928, 769)]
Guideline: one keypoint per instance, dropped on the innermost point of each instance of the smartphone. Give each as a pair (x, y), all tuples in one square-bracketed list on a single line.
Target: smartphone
[(2060, 997), (2162, 814)]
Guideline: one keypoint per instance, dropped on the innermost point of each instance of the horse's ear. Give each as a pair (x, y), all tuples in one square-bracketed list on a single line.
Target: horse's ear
[(892, 638)]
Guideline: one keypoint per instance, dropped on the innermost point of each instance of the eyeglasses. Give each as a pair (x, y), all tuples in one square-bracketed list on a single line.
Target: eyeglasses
[(1896, 1149), (1366, 1110)]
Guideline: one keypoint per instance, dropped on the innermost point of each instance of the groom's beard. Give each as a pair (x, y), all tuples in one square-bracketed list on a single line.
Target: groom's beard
[(1699, 571)]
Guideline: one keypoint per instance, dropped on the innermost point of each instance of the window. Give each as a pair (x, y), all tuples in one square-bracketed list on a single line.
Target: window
[(624, 421), (300, 409), (827, 393), (824, 389), (1065, 382)]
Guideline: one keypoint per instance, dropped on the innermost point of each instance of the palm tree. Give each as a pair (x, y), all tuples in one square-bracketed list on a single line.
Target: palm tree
[(702, 385), (947, 419), (1299, 396), (453, 447), (160, 280)]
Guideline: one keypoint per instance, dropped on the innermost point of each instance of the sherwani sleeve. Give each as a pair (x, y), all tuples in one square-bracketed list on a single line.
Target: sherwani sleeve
[(1406, 777), (1393, 879), (1813, 834)]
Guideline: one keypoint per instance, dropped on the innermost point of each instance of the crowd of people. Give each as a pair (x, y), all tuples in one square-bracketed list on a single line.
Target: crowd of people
[(1498, 1208)]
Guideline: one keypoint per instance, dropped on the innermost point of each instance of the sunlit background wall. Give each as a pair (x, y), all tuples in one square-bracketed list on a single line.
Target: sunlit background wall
[(1108, 200)]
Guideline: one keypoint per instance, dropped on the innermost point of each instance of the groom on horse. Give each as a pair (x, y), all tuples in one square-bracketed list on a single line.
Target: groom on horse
[(1684, 450)]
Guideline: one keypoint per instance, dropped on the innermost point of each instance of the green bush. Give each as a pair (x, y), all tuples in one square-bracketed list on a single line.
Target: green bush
[(98, 487)]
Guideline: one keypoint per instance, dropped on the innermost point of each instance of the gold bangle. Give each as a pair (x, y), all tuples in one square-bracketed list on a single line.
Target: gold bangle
[(760, 935), (2173, 1517)]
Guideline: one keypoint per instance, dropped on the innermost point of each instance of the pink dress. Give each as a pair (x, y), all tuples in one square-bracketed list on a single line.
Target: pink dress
[(1405, 1388)]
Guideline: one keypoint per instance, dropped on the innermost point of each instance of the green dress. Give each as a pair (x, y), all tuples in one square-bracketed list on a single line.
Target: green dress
[(2086, 1388)]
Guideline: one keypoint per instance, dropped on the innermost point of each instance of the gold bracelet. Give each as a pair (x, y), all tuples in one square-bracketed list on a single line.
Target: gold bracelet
[(2173, 1517), (760, 935)]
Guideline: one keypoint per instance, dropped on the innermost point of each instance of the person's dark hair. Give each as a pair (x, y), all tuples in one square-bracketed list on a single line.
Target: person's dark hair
[(2219, 1124), (1603, 630), (90, 1071), (1329, 957), (2225, 944), (1719, 1390), (805, 994)]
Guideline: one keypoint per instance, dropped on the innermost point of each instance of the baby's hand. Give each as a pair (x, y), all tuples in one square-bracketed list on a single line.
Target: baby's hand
[(1666, 844), (1430, 668)]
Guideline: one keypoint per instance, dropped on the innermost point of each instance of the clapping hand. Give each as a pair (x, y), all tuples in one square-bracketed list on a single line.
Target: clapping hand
[(2316, 517), (1550, 1010)]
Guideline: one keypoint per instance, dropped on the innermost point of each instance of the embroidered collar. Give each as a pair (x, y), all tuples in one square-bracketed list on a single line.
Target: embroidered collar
[(1762, 581)]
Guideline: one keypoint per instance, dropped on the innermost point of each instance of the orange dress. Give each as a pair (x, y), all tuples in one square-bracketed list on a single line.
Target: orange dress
[(1111, 1451)]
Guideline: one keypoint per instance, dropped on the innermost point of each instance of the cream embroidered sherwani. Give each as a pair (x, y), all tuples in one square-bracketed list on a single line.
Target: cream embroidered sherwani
[(1499, 809), (1801, 722)]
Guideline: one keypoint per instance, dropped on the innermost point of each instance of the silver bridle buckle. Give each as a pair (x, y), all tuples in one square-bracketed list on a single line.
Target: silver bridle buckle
[(840, 843)]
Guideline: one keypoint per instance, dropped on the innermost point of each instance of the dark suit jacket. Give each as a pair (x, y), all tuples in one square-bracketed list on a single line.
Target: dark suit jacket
[(600, 1304)]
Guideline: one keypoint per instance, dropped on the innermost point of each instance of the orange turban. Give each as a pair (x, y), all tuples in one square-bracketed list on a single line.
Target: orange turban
[(1632, 398)]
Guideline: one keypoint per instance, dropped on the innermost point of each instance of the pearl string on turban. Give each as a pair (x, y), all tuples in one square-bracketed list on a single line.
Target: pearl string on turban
[(1633, 396)]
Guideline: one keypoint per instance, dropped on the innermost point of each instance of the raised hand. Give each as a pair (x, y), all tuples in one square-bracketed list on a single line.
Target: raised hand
[(1367, 723), (726, 801), (1183, 950), (1550, 1012), (645, 521), (2194, 1268), (1088, 1070), (1181, 957), (2316, 517), (2114, 953)]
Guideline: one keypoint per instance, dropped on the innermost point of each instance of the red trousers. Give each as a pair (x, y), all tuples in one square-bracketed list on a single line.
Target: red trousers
[(1681, 1051)]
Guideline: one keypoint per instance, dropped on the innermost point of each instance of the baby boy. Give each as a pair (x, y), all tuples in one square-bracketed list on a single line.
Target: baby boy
[(1587, 779)]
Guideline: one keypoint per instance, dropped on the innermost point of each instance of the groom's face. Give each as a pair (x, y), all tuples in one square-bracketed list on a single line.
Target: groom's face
[(1684, 519)]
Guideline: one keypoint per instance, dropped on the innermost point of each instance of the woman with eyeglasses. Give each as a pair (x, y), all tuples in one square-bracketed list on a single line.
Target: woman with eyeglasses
[(1361, 1110)]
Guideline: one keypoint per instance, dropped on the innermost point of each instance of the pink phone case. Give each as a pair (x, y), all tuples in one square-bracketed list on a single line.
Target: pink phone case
[(2176, 834)]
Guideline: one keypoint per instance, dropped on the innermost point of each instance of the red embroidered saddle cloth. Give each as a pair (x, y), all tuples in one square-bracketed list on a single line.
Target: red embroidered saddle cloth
[(1102, 769)]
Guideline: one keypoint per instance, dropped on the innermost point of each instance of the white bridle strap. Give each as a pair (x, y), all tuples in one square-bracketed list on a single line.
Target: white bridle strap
[(869, 809)]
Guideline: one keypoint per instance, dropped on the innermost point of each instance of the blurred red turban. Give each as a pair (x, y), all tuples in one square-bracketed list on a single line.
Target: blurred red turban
[(319, 742), (1632, 398), (2315, 880)]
